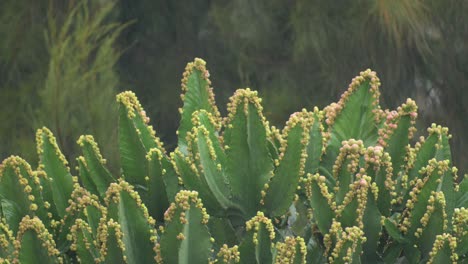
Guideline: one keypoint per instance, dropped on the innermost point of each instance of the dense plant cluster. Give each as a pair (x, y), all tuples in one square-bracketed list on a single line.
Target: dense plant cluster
[(345, 184)]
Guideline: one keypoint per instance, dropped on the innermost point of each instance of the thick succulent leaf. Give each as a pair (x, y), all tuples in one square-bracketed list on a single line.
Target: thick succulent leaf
[(346, 166), (357, 115), (192, 180), (396, 133), (256, 247), (7, 241), (392, 252), (136, 226), (157, 199), (228, 255), (222, 231), (292, 251), (372, 230), (411, 254), (291, 164), (83, 205), (393, 231), (59, 184), (420, 194), (443, 250), (434, 146), (186, 238), (462, 195), (379, 168), (460, 230), (131, 146), (274, 142), (83, 242), (434, 223), (320, 201), (171, 180), (249, 163), (315, 147), (111, 250), (85, 176), (201, 150), (197, 95), (347, 245), (99, 176), (206, 119), (19, 192), (35, 243)]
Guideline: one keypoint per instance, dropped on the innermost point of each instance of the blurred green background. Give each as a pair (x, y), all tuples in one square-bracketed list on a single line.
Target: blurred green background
[(62, 62)]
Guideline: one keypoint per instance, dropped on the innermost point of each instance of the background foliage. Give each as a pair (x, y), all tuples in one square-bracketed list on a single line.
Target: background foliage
[(296, 53)]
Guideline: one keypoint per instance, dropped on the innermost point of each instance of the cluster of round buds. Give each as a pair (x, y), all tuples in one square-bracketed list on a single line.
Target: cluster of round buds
[(276, 136), (229, 255), (198, 115), (178, 155), (440, 167), (257, 222), (88, 139), (35, 224), (183, 202), (390, 125), (460, 222), (440, 242), (321, 183), (305, 120), (201, 131), (331, 111), (319, 116), (334, 109), (130, 101), (392, 118), (80, 200), (114, 192), (6, 236), (27, 179), (200, 66), (376, 157), (80, 226), (45, 132), (351, 235), (350, 151), (358, 190), (288, 251), (244, 98), (334, 234), (133, 108), (435, 202), (107, 229)]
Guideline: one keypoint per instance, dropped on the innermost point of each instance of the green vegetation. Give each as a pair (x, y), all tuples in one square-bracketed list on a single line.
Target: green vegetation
[(295, 53), (339, 185)]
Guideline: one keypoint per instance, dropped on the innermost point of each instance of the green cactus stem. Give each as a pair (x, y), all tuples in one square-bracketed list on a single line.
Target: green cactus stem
[(133, 226), (35, 243), (257, 245), (58, 185), (196, 94), (249, 163), (20, 193), (93, 173), (291, 251), (185, 238)]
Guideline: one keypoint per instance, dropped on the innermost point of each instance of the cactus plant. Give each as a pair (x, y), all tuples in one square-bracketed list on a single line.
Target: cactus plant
[(344, 184)]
